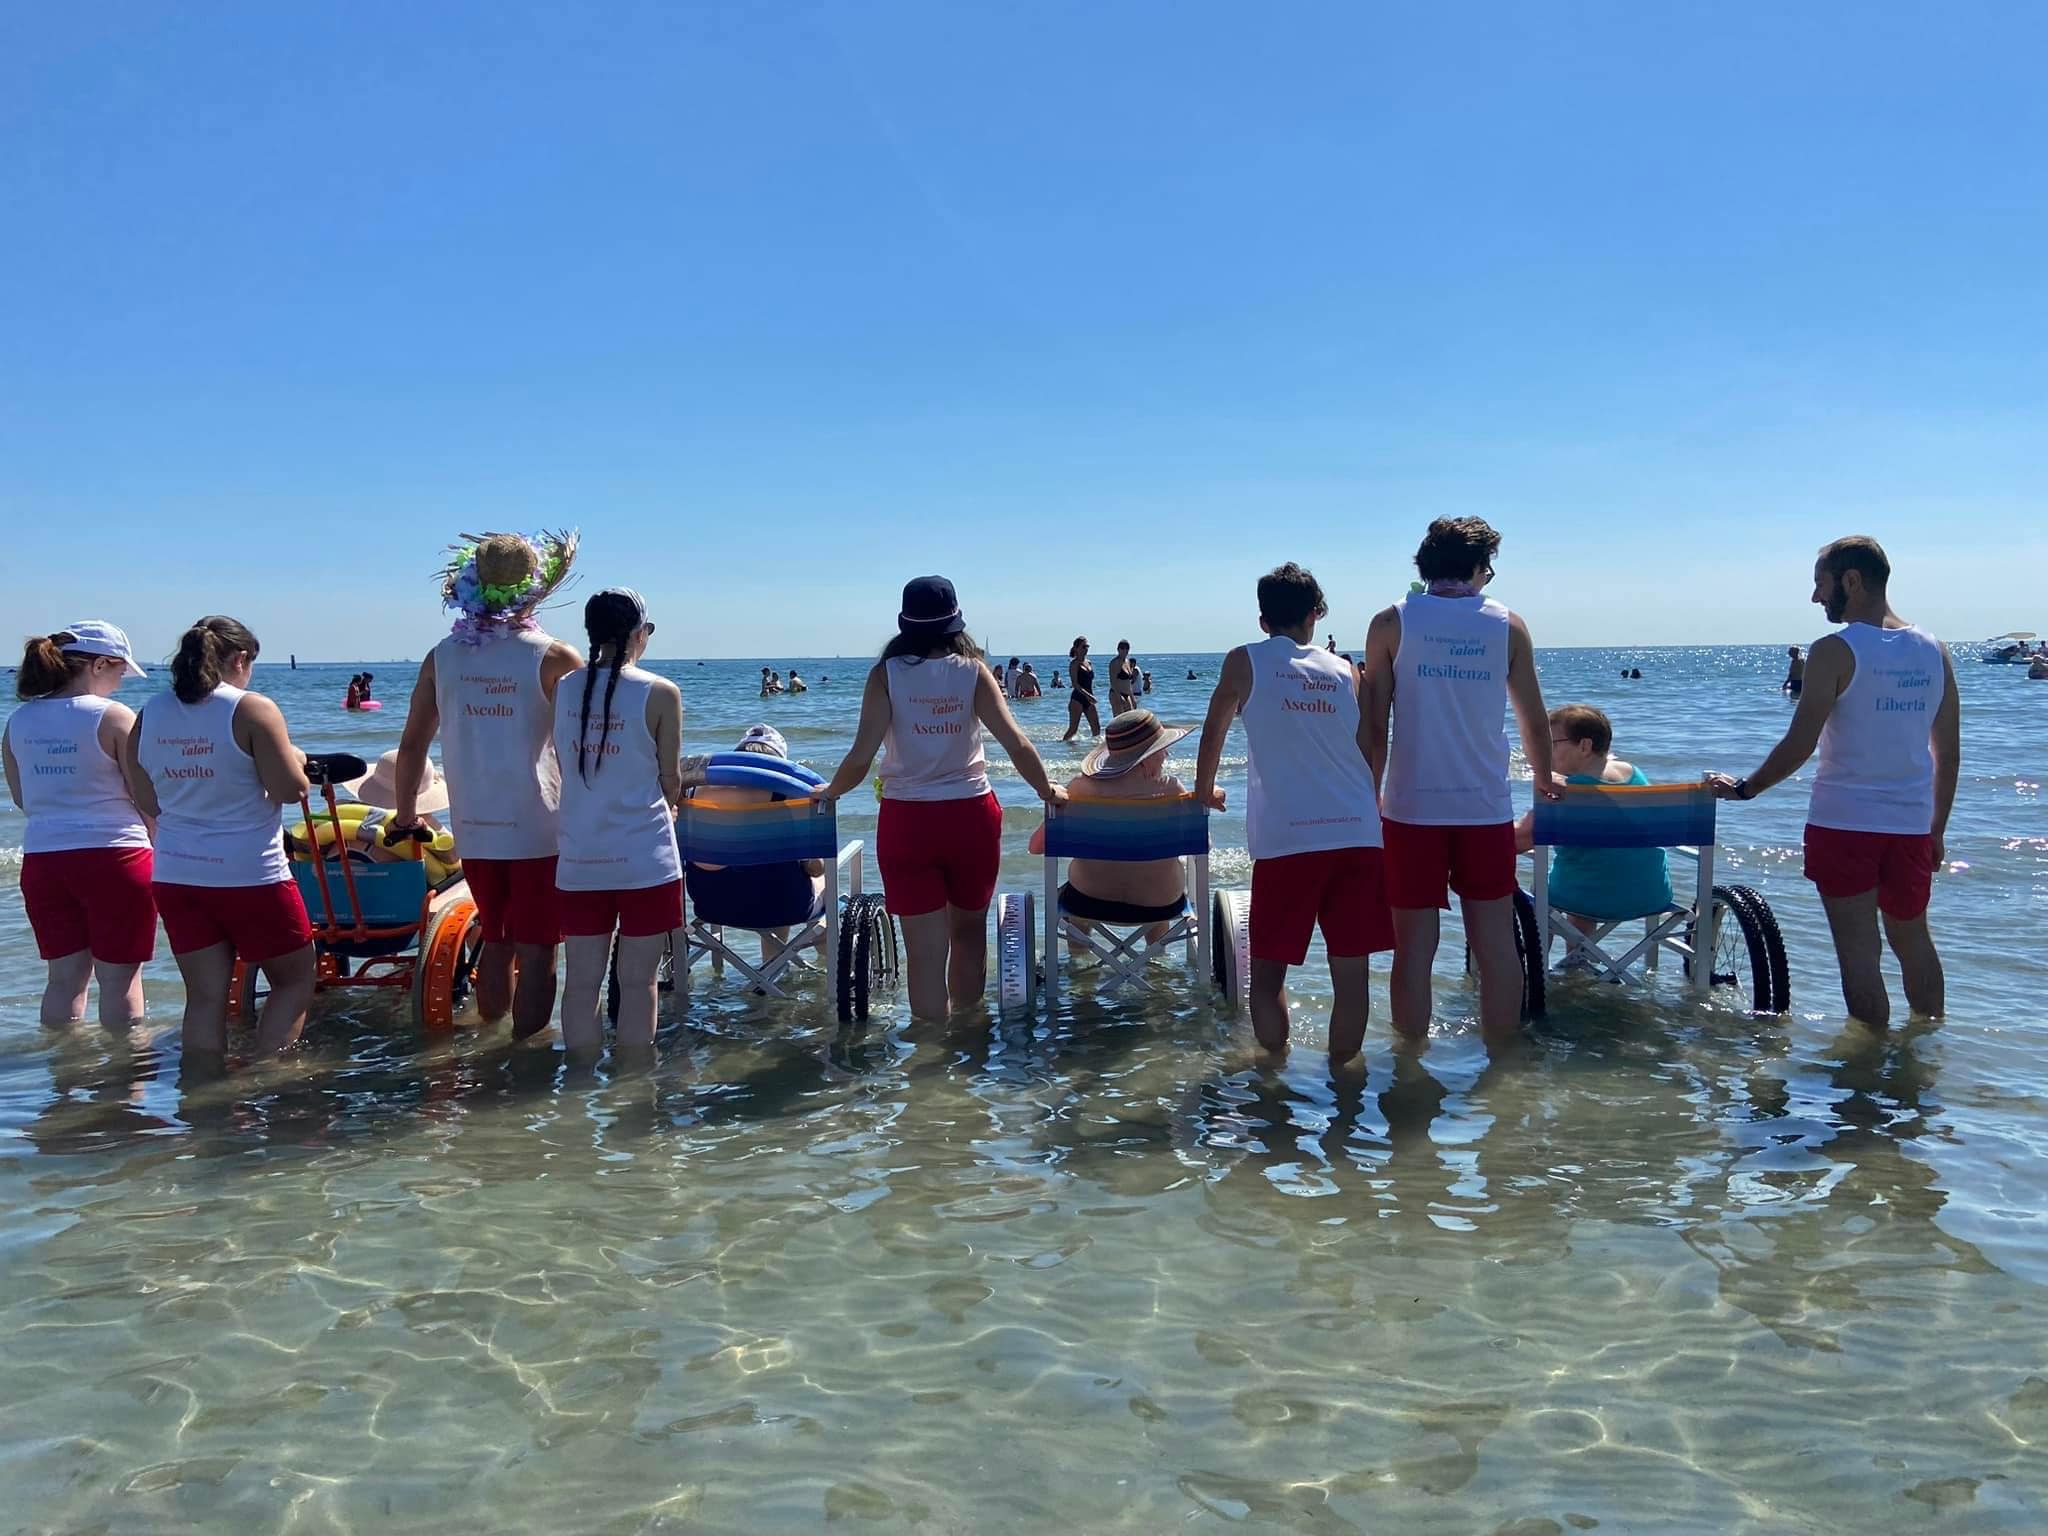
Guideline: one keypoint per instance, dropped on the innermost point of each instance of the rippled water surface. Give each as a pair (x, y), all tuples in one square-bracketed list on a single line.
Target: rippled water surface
[(1667, 1268)]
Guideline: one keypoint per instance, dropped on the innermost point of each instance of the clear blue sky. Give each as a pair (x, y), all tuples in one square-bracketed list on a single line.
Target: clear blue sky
[(1099, 309)]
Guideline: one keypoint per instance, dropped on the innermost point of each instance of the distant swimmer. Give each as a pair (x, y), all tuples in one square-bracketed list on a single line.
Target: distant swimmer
[(368, 678), (353, 699), (1081, 701), (86, 861), (1191, 674), (797, 684), (1795, 671), (1124, 675), (1027, 683), (1877, 820), (1635, 674), (1148, 682), (1057, 680), (1461, 660), (2037, 669), (1010, 675), (771, 683)]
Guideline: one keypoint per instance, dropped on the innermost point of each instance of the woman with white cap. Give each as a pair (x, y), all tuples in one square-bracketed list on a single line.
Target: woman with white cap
[(618, 870), (213, 762), (86, 859), (939, 842), (768, 898)]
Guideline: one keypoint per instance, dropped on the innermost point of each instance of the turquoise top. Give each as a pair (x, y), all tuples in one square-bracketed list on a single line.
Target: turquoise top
[(1609, 882)]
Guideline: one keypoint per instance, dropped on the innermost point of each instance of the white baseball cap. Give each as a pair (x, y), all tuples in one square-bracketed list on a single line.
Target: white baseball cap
[(96, 637), (767, 736)]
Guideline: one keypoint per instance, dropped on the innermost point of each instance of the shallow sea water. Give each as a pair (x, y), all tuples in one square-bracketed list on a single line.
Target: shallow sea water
[(1665, 1268)]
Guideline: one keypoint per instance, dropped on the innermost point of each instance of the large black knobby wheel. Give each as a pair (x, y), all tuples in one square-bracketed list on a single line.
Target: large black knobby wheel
[(1749, 952), (1529, 951), (867, 959), (1230, 948)]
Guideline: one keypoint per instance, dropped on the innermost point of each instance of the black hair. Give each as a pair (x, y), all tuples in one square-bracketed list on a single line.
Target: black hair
[(1457, 549), (1289, 596), (919, 648), (1859, 553), (203, 650), (609, 619)]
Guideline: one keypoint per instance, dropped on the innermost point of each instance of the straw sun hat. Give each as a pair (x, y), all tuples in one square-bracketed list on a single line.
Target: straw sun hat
[(1128, 740)]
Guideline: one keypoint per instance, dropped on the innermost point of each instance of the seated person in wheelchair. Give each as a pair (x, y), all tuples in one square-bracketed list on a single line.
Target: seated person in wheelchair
[(767, 897), (1128, 764), (1594, 884), (364, 818)]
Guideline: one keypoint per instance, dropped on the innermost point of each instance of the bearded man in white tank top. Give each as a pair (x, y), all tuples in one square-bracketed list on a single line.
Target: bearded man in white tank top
[(1312, 818), (488, 691), (1879, 702), (1444, 664)]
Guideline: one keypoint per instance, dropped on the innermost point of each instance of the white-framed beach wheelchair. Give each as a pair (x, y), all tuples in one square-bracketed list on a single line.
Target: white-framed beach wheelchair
[(749, 848), (1120, 940), (1731, 925)]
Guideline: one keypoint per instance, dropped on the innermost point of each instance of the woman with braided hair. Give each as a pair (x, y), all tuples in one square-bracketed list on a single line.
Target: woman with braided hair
[(618, 737)]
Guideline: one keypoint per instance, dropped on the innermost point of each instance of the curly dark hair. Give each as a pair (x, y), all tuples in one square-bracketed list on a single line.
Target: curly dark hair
[(1457, 549)]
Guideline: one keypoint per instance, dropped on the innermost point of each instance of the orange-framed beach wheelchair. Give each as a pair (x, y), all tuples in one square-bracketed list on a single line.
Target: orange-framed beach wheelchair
[(377, 925)]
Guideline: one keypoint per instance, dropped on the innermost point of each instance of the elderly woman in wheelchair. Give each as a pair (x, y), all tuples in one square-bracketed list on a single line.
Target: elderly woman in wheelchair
[(1589, 885), (768, 898)]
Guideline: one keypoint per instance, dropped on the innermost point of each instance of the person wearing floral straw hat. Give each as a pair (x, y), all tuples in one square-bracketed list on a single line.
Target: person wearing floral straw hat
[(939, 838), (1128, 764), (488, 692)]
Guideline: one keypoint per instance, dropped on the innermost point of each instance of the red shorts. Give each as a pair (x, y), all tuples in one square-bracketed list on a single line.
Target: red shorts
[(1898, 866), (94, 899), (935, 854), (1343, 889), (515, 899), (1426, 864), (637, 914), (261, 921)]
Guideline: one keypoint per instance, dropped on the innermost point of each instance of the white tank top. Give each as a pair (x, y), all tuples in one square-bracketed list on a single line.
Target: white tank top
[(1448, 766), (1876, 769), (217, 828), (1309, 786), (497, 746), (617, 833), (933, 750), (72, 792)]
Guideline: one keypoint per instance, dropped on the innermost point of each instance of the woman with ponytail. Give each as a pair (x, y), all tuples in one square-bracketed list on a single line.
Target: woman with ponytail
[(939, 841), (618, 737), (85, 862), (215, 765)]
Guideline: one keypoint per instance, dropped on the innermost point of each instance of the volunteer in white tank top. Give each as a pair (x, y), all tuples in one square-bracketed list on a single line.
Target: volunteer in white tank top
[(213, 763), (1312, 821), (488, 690), (939, 838), (1444, 665), (85, 854), (618, 734), (1879, 701)]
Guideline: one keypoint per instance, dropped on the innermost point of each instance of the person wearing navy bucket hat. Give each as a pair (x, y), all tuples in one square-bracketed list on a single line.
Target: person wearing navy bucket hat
[(939, 841)]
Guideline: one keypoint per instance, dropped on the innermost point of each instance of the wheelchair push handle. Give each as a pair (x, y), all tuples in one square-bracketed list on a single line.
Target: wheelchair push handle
[(393, 836), (334, 767)]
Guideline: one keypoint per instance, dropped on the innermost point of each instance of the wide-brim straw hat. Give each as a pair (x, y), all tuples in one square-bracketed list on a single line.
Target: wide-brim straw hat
[(1128, 740), (379, 787)]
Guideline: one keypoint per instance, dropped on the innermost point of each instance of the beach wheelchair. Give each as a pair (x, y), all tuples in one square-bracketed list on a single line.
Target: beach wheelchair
[(1725, 935), (1110, 934), (376, 925), (848, 924)]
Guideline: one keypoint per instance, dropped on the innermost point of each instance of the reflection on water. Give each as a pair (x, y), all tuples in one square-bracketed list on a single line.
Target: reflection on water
[(1663, 1268)]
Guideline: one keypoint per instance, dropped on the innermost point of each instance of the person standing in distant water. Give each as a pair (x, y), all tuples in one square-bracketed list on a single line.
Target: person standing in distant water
[(1884, 714), (214, 764), (1332, 644), (1010, 676), (85, 854), (368, 677), (1027, 683), (1124, 677), (619, 872), (797, 684), (1443, 665), (1081, 701), (489, 691), (939, 840), (353, 699), (1148, 682), (1312, 818), (1795, 671), (1058, 680), (295, 661)]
